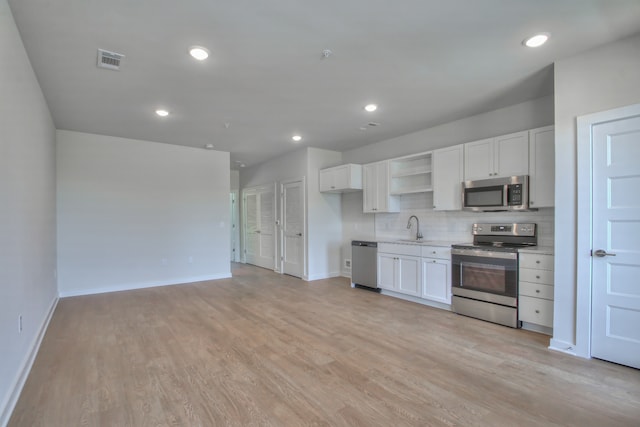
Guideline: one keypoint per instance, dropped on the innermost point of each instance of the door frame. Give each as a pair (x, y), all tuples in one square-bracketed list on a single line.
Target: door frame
[(280, 251), (584, 219)]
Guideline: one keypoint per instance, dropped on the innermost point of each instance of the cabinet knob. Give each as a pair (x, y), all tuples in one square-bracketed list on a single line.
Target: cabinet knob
[(538, 311), (537, 277), (531, 202), (434, 252), (333, 186), (537, 291), (538, 262), (434, 261)]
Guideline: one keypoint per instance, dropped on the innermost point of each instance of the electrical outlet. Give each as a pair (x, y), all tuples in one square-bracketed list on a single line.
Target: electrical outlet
[(20, 323), (347, 263)]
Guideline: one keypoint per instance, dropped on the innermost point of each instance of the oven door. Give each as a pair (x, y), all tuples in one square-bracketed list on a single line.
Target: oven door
[(485, 275)]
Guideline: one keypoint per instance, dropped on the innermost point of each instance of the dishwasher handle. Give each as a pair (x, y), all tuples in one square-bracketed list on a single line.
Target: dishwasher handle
[(363, 243)]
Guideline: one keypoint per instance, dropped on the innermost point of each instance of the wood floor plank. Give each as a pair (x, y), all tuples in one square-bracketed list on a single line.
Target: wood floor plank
[(262, 349)]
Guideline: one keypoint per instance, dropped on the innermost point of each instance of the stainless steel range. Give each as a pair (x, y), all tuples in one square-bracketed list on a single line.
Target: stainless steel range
[(484, 276)]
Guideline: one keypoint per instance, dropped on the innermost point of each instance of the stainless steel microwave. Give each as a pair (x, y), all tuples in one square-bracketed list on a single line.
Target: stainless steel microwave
[(496, 194)]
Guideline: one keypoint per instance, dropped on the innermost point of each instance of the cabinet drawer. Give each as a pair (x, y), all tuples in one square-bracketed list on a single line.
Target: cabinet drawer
[(536, 310), (399, 249), (439, 252), (536, 290), (544, 277), (544, 262)]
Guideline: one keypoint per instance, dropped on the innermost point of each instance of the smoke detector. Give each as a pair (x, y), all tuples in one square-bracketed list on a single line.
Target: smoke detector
[(109, 60)]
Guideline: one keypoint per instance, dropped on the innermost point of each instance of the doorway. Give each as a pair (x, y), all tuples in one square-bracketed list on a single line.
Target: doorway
[(609, 231)]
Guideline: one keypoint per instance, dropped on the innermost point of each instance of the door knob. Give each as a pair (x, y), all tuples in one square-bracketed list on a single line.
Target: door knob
[(299, 234), (600, 253)]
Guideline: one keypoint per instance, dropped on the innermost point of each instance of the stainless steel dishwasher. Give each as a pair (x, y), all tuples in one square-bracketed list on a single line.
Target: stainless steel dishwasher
[(364, 263)]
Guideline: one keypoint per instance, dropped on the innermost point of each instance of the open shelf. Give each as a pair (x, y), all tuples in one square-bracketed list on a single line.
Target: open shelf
[(411, 174)]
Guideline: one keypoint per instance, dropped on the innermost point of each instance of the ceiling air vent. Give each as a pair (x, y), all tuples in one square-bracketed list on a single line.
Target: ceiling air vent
[(109, 60)]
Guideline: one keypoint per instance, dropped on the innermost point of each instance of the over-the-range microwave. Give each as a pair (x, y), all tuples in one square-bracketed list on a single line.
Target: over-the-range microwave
[(496, 194)]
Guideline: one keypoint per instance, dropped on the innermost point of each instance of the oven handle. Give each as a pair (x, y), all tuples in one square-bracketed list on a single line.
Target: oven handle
[(484, 253)]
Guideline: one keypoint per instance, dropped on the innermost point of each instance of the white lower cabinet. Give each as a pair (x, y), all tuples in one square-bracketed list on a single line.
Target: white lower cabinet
[(419, 271), (536, 290), (399, 268), (399, 273), (436, 274)]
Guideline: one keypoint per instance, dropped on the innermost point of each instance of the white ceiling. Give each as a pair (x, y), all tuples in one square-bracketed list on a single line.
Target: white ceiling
[(425, 62)]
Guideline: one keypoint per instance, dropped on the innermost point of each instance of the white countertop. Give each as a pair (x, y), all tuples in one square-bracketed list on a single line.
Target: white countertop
[(544, 250), (442, 243)]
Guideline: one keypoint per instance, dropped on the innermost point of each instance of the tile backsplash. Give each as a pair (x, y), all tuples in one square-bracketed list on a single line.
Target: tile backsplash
[(453, 226)]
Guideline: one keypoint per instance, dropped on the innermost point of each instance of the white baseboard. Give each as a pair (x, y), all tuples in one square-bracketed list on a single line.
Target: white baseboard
[(331, 275), (562, 346), (143, 285), (8, 406), (434, 304)]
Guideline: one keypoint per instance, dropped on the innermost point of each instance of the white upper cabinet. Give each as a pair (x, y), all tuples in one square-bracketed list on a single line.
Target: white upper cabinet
[(542, 167), (497, 157), (447, 178), (375, 189), (341, 179)]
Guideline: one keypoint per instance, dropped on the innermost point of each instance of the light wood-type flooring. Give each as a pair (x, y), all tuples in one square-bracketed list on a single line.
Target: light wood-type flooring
[(263, 349)]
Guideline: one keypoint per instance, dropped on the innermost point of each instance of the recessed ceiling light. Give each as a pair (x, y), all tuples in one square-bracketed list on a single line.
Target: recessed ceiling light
[(162, 113), (242, 165), (537, 40), (208, 146), (296, 138), (198, 52), (371, 108)]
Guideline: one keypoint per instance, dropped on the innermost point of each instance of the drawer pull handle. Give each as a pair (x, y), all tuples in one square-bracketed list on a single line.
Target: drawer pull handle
[(538, 262), (537, 291), (537, 277), (537, 311)]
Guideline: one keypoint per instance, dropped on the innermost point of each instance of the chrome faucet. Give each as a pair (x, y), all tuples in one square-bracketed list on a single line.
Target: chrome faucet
[(418, 234)]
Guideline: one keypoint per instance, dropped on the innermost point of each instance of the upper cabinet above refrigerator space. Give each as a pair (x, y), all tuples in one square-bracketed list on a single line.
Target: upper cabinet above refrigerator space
[(341, 179)]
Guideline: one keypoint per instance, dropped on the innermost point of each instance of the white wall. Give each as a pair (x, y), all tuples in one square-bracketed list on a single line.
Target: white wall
[(437, 225), (134, 214), (527, 115), (597, 80), (324, 212), (27, 213)]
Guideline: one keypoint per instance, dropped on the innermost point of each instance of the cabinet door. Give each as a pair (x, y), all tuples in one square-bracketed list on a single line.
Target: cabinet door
[(447, 178), (478, 159), (436, 280), (386, 271), (409, 275), (511, 154), (327, 182), (542, 167), (382, 193), (369, 188)]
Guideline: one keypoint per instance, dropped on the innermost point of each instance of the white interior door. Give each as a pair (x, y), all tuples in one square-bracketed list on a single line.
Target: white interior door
[(615, 329), (234, 227), (251, 215), (267, 254), (293, 228), (258, 226)]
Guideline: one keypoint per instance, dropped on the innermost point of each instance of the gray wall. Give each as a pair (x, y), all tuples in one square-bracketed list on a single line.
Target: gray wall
[(27, 212), (597, 80), (527, 115), (134, 214)]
